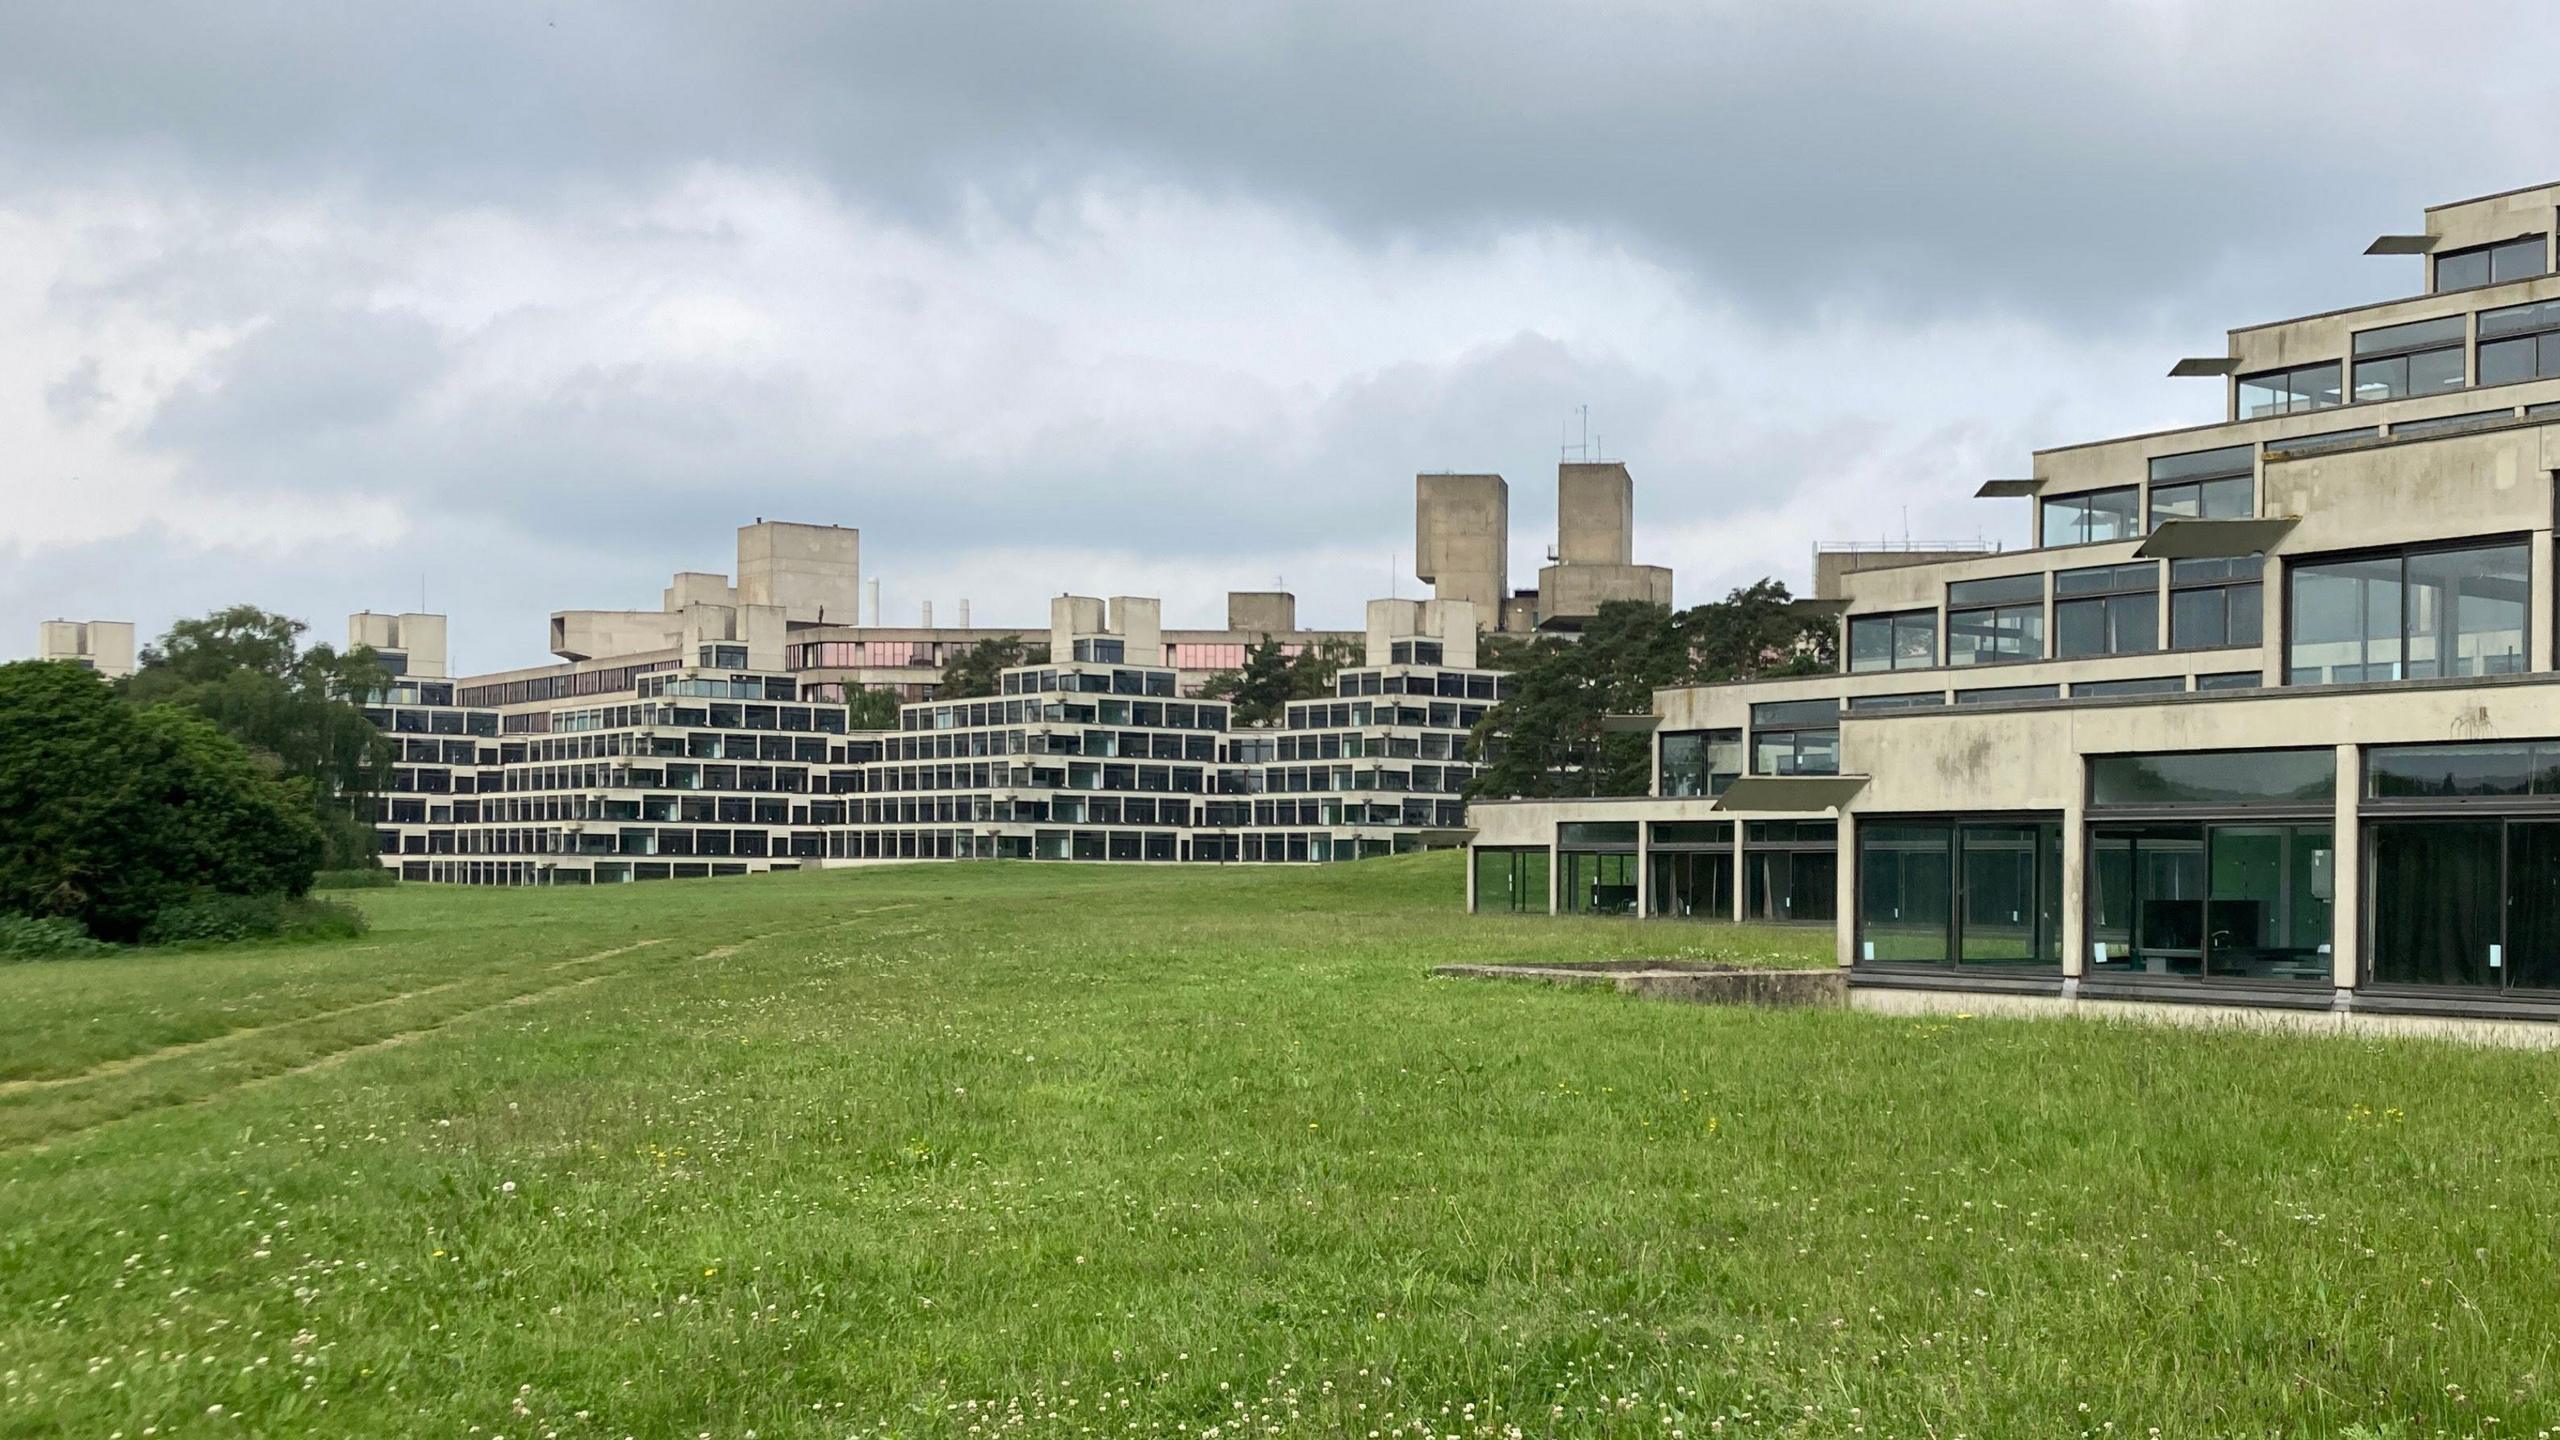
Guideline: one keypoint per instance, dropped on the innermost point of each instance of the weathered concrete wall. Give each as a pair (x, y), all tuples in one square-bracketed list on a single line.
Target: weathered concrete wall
[(597, 634), (106, 644), (697, 587), (1462, 538), (1262, 612), (1831, 568), (1595, 514), (812, 572)]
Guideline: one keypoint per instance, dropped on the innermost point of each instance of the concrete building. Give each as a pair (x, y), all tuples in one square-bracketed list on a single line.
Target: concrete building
[(1462, 547), (701, 760), (2268, 717), (105, 646)]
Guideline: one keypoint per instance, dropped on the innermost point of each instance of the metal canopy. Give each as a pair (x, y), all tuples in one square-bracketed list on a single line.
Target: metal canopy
[(1817, 606), (2402, 245), (2005, 489), (1791, 794), (2214, 539), (2195, 365), (1629, 724)]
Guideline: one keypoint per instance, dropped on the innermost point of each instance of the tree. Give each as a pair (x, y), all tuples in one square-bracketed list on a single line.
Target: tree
[(1547, 739), (976, 669), (110, 814), (1258, 690), (870, 709), (244, 669)]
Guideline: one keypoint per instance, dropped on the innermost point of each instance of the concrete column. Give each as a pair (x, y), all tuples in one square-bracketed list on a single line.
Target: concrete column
[(1741, 881), (1555, 871), (1644, 869), (2538, 624), (2075, 886), (2346, 903), (1471, 880), (1844, 905)]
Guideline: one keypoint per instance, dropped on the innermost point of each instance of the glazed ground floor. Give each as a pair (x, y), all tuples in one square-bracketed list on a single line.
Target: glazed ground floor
[(2383, 851)]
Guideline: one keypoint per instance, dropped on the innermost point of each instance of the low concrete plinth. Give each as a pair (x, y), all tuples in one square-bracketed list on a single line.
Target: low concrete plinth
[(1661, 980)]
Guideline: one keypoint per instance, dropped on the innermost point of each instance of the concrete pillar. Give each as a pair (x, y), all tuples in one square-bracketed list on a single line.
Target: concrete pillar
[(2272, 620), (1555, 872), (1644, 870), (2075, 888), (1741, 881), (1844, 905), (1471, 880), (2540, 633), (2346, 902)]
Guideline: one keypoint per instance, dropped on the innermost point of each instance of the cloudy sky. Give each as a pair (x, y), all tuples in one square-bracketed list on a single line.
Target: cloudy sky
[(534, 303)]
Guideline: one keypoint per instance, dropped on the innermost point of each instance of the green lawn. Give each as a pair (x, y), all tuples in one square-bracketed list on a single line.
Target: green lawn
[(1018, 1149)]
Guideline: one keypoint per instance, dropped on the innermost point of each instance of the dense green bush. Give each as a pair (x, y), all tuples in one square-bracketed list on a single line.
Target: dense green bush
[(363, 877), (110, 813), (216, 919), (23, 937)]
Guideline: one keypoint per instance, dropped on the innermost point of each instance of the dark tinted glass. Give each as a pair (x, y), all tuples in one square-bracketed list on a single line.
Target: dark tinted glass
[(2005, 588), (2213, 778), (2231, 680), (1905, 893), (1693, 832), (2462, 270), (2416, 335), (2458, 770), (2204, 464), (2436, 897), (1914, 700), (2154, 685), (2009, 695), (1596, 832), (1796, 712)]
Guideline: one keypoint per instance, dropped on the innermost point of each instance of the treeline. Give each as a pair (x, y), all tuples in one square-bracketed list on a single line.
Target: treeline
[(1546, 740), (196, 799)]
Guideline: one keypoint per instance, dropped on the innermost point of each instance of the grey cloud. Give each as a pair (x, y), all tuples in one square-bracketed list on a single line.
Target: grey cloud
[(78, 395), (2072, 158), (298, 379)]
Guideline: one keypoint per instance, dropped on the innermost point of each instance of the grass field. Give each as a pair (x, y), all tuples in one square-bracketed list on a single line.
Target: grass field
[(981, 1150)]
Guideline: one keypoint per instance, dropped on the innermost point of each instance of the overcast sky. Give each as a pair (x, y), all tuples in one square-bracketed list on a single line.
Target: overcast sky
[(304, 304)]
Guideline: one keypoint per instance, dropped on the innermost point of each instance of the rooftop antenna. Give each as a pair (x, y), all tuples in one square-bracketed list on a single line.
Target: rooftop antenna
[(1580, 449)]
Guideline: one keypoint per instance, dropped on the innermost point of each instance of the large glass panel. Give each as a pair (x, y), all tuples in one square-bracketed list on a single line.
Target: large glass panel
[(2402, 771), (2533, 905), (2204, 464), (2099, 515), (1596, 833), (1693, 884), (1907, 641), (1693, 833), (1905, 883), (1870, 642), (2346, 622), (2466, 611), (1510, 880), (2415, 335), (1986, 637), (2267, 916), (2284, 392), (2147, 890), (2213, 777), (2436, 895), (2005, 916), (1594, 883), (1793, 885)]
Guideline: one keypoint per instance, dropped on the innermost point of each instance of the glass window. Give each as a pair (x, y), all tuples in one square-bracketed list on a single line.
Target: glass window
[(1692, 884), (2205, 484), (2520, 342), (1995, 621), (1512, 880), (2462, 771), (1595, 834), (1596, 882), (2098, 515), (2423, 357), (2516, 259), (2154, 685), (2112, 610), (2437, 895), (1693, 833), (1795, 737), (2009, 695), (2288, 392), (2231, 680), (1934, 892), (2224, 777), (1700, 762), (2240, 901), (1907, 641), (2423, 615), (2216, 602), (1792, 885), (1912, 700), (2324, 440)]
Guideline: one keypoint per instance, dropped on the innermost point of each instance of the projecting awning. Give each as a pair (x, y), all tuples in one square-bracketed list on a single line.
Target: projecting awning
[(2402, 245), (2195, 365), (2214, 539), (2007, 489), (1791, 794), (1629, 724), (1815, 607)]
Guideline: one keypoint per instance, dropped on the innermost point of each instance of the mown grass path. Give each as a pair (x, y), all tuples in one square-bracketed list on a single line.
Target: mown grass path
[(1069, 1150)]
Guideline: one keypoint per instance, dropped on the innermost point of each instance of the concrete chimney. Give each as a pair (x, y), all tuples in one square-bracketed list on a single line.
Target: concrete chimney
[(871, 612), (928, 614), (964, 614)]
